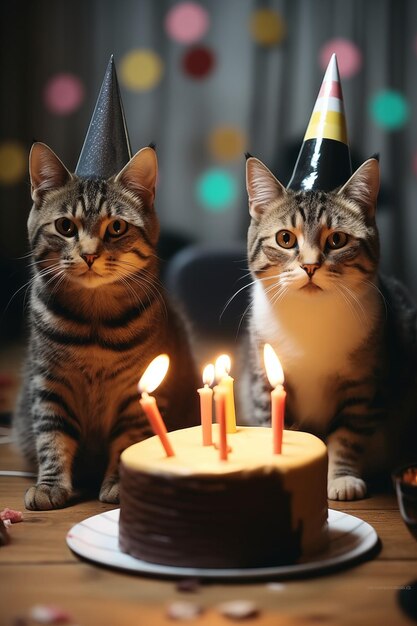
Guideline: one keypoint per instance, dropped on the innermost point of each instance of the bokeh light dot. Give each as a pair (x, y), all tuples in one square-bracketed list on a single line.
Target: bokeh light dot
[(389, 109), (187, 22), (227, 143), (349, 56), (13, 162), (198, 62), (63, 94), (267, 27), (141, 70), (216, 189)]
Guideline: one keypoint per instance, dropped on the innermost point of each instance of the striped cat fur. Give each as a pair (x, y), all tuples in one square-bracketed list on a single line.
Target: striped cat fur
[(97, 316), (346, 337)]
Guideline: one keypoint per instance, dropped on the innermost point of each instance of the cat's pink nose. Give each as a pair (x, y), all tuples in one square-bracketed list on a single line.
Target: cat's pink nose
[(310, 268), (89, 258)]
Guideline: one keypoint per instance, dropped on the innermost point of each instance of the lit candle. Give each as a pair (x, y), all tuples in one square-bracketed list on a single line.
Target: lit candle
[(220, 397), (225, 381), (276, 378), (151, 379), (206, 404)]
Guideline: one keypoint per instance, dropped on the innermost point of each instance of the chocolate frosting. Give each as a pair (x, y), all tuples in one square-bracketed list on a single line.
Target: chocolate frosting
[(238, 520)]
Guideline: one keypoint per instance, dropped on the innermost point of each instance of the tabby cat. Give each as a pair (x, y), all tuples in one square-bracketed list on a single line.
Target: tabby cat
[(97, 317), (345, 336)]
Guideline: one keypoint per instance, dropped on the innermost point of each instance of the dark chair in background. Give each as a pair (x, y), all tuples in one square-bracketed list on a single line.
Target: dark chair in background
[(203, 279)]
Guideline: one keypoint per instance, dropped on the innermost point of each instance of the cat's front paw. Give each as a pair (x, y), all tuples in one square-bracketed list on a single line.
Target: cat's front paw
[(109, 491), (46, 497), (346, 488)]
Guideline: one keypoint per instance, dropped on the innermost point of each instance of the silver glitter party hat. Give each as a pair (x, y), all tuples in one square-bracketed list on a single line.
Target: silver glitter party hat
[(106, 148)]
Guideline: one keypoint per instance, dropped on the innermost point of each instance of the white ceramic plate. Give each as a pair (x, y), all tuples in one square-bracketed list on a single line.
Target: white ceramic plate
[(96, 539)]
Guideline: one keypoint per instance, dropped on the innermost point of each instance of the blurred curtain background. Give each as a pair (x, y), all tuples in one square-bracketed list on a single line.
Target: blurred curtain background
[(207, 81)]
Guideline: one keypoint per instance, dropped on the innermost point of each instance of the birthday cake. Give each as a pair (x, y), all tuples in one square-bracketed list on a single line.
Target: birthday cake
[(256, 509)]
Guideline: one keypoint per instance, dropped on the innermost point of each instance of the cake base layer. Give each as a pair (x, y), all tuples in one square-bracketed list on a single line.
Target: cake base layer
[(224, 514)]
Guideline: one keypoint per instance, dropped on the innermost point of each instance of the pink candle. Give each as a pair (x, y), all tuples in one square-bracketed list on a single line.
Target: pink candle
[(277, 417), (220, 402), (206, 404), (151, 379), (276, 378)]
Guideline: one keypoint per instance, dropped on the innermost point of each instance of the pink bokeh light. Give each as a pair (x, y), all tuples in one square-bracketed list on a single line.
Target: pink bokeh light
[(63, 94), (187, 22), (349, 56)]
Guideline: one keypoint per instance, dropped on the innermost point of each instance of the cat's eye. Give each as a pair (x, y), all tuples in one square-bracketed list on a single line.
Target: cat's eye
[(66, 227), (286, 239), (337, 240), (116, 228)]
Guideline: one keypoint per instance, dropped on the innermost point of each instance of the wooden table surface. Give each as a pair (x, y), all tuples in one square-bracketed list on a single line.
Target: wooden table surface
[(37, 567)]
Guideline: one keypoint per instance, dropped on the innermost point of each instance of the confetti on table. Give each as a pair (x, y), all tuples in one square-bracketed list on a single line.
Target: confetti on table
[(238, 609), (181, 610), (11, 515), (49, 614)]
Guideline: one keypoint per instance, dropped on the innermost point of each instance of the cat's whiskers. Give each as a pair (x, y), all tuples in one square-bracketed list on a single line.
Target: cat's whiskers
[(27, 284), (279, 295), (34, 263), (234, 296), (146, 286), (355, 298), (253, 282), (351, 302), (347, 301), (144, 280), (377, 289)]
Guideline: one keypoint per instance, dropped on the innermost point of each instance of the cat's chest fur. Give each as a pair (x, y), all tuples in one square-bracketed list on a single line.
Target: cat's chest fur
[(315, 337)]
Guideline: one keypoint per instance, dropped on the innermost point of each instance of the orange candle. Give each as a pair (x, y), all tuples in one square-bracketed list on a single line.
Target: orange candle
[(276, 378), (225, 381), (151, 379), (220, 402), (206, 404)]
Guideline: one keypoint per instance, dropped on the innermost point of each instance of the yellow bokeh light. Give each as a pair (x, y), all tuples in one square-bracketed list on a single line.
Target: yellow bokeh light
[(267, 27), (227, 143), (141, 70), (13, 162)]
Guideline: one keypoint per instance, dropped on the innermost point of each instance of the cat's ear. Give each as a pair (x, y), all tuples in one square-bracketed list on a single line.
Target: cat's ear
[(363, 186), (46, 171), (262, 187), (139, 175)]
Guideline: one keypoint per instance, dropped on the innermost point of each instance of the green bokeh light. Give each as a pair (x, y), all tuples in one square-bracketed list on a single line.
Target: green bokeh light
[(216, 189), (389, 109)]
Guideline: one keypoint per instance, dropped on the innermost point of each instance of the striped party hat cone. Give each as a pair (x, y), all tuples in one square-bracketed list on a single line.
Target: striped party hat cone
[(106, 148), (324, 159)]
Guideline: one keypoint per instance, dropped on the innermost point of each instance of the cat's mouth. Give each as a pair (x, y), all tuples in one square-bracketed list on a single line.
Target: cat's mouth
[(310, 286)]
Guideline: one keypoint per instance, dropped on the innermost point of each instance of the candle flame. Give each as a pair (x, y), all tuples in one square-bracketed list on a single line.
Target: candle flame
[(154, 374), (222, 366), (273, 366), (208, 374)]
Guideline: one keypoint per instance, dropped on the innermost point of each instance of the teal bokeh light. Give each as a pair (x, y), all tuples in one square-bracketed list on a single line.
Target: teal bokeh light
[(216, 189), (389, 109)]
